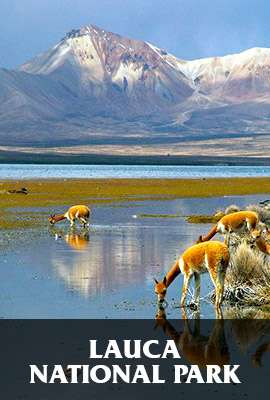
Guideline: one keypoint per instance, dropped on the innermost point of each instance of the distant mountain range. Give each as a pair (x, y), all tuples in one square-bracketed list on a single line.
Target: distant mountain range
[(96, 91)]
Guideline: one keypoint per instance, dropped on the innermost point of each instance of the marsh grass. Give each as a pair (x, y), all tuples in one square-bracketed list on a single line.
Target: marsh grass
[(248, 276), (159, 216), (208, 219), (57, 194), (231, 209), (202, 219), (263, 213)]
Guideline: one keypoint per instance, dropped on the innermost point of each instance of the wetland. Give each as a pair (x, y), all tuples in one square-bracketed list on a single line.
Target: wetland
[(137, 229)]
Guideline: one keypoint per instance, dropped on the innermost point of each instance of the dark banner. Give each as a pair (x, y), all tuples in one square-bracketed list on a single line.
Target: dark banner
[(100, 359)]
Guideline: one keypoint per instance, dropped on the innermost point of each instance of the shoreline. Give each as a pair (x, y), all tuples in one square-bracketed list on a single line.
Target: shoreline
[(113, 180), (50, 157)]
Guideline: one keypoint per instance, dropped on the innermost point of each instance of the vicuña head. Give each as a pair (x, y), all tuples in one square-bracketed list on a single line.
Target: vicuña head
[(161, 289), (52, 219), (255, 234), (260, 237)]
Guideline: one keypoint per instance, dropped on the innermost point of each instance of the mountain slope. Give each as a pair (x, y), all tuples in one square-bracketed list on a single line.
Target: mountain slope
[(113, 71), (97, 88), (234, 77)]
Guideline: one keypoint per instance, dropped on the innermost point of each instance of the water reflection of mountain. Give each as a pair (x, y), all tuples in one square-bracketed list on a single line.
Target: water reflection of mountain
[(116, 257)]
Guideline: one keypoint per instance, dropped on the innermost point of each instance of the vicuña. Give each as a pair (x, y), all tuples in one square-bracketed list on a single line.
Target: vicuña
[(234, 222), (79, 212), (211, 256)]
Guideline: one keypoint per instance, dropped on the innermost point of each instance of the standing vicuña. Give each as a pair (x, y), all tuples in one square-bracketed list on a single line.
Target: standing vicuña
[(208, 256), (234, 222), (80, 212)]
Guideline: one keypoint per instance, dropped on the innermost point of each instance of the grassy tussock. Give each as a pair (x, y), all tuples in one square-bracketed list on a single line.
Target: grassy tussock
[(263, 213), (248, 277), (231, 209)]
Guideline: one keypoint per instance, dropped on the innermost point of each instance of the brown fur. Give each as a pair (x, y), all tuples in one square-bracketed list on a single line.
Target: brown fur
[(233, 222), (80, 212), (261, 242), (208, 256)]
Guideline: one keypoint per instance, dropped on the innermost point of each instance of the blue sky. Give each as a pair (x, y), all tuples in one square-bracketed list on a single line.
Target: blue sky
[(187, 28)]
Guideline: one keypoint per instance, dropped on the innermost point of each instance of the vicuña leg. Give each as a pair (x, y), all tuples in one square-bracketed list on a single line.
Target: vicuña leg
[(220, 285), (187, 277), (72, 222), (83, 222), (218, 281), (197, 279)]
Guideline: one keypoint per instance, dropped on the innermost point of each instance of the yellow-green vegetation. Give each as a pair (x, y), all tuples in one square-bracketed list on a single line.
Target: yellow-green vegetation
[(159, 216), (58, 194), (203, 219), (20, 222)]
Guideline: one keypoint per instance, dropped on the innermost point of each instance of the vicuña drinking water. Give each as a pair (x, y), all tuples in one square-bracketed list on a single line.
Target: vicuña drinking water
[(211, 256), (79, 212)]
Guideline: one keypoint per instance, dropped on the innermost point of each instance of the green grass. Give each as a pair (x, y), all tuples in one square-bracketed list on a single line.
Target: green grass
[(202, 219), (159, 216)]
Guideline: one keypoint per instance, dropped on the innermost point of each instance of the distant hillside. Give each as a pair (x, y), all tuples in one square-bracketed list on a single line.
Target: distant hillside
[(100, 92)]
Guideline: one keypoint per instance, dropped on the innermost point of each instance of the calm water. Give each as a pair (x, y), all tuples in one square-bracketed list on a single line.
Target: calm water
[(28, 171), (109, 272)]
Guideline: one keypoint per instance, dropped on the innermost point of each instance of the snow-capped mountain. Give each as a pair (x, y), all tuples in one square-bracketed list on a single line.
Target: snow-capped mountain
[(95, 64), (237, 76), (95, 86)]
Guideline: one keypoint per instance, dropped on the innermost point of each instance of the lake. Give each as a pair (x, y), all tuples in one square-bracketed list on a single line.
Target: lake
[(108, 272), (29, 171)]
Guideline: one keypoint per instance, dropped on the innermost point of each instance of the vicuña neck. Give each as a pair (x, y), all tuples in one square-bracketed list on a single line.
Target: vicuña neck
[(59, 217), (211, 233), (172, 274)]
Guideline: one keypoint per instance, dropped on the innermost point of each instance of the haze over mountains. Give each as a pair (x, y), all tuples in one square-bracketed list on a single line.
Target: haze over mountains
[(104, 93)]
